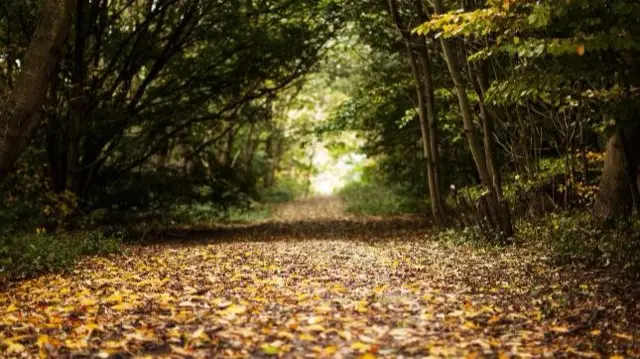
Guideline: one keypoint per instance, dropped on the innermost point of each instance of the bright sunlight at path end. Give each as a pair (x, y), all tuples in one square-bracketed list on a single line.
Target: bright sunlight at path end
[(315, 284)]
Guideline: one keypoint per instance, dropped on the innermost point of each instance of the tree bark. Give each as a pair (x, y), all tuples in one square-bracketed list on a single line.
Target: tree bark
[(487, 116), (614, 202), (19, 110), (432, 121), (425, 111), (478, 151)]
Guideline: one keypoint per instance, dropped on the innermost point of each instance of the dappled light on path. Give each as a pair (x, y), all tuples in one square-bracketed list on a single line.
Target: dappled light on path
[(315, 283)]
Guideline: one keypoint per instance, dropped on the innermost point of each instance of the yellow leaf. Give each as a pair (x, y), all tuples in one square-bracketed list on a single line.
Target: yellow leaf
[(324, 309), (559, 329), (367, 356), (623, 336), (270, 349), (316, 328), (345, 335), (13, 347), (339, 289), (200, 334), (616, 356), (285, 335), (88, 302), (114, 298), (596, 332), (330, 350), (11, 308), (580, 50), (470, 325), (360, 346), (42, 342), (236, 309), (87, 328), (361, 307), (307, 337)]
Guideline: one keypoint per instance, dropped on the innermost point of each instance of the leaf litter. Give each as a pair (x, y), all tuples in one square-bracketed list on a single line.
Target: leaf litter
[(315, 283)]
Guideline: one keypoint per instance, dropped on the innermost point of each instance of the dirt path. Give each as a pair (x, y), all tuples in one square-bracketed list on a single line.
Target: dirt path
[(314, 283), (314, 209)]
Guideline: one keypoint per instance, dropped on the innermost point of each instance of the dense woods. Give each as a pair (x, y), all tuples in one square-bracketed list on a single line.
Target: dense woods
[(506, 123), (151, 101), (131, 104)]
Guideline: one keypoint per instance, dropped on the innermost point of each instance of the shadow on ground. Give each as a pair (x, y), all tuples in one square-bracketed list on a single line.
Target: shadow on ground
[(313, 218), (303, 230)]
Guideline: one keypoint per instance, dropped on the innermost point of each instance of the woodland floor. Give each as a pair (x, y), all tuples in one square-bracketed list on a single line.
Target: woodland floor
[(315, 283)]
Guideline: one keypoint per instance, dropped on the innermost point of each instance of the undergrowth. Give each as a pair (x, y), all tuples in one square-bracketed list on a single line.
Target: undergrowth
[(372, 198), (568, 237), (210, 214), (576, 237), (26, 255)]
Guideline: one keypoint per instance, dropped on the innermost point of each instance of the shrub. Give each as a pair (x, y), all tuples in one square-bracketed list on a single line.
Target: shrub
[(26, 255)]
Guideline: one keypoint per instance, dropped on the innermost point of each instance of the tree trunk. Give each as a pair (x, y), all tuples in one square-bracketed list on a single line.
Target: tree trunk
[(19, 110), (487, 116), (614, 202), (423, 113), (432, 122), (477, 150), (78, 102)]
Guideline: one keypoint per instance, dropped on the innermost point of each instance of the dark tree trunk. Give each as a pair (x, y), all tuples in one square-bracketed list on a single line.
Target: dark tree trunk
[(426, 110), (78, 102), (618, 184), (19, 110)]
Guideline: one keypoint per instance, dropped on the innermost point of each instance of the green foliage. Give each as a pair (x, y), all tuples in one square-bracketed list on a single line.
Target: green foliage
[(575, 237), (466, 235), (372, 195), (573, 43), (27, 201), (378, 200), (162, 103), (568, 238), (284, 190), (25, 255), (211, 214)]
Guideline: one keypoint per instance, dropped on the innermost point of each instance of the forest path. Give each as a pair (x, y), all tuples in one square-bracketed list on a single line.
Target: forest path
[(310, 209), (313, 282)]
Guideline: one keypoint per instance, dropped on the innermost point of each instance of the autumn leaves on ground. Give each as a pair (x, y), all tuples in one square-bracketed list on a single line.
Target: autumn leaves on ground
[(313, 282)]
